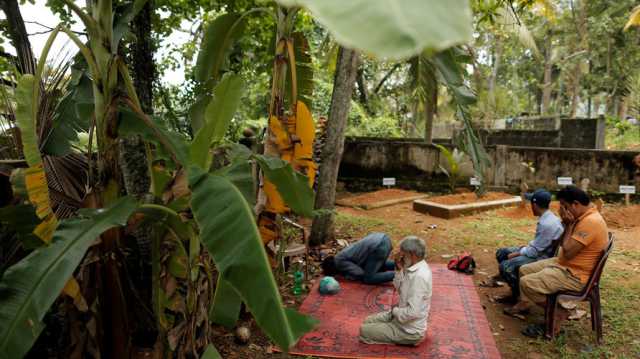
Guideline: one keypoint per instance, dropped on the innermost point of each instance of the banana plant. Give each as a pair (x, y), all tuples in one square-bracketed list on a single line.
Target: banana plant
[(454, 160), (224, 223)]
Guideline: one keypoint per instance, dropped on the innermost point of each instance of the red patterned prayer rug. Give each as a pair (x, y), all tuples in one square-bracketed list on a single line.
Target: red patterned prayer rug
[(457, 326)]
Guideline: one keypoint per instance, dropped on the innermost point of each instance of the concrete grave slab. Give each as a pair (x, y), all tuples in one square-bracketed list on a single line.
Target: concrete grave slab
[(452, 211)]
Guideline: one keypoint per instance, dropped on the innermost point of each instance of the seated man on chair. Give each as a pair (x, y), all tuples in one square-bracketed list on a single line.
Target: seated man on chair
[(405, 323), (548, 229), (366, 260), (582, 244)]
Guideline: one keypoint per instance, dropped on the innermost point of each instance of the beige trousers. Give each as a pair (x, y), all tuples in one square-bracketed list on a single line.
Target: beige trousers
[(380, 328), (544, 277)]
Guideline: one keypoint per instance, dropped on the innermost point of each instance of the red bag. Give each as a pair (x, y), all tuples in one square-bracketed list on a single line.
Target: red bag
[(463, 263)]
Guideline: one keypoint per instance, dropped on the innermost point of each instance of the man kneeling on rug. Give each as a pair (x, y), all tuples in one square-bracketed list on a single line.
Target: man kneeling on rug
[(548, 230), (584, 239), (365, 260), (406, 322)]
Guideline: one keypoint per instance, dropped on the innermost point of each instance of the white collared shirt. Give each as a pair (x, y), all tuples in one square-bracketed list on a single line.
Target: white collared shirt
[(414, 287)]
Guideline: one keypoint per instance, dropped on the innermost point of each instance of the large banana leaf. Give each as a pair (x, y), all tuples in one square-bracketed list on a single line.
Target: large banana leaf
[(219, 37), (29, 287), (239, 172), (131, 124), (393, 28), (34, 176), (226, 304), (228, 230), (448, 63), (304, 70), (218, 115), (293, 186), (73, 113), (25, 117)]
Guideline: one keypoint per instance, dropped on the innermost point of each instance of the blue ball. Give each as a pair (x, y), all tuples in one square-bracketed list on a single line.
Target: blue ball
[(328, 285)]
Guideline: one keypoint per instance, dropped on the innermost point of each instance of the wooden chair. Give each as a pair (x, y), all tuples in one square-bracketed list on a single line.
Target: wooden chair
[(591, 293)]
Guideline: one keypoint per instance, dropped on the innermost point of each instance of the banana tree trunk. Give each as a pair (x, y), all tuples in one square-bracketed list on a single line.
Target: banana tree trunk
[(322, 229)]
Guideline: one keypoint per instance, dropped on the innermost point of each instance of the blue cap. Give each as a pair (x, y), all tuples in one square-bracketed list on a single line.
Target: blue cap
[(541, 197)]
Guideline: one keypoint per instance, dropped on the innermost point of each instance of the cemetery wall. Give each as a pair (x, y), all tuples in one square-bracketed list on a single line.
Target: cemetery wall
[(416, 165)]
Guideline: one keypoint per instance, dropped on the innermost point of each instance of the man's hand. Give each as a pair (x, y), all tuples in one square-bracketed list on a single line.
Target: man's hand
[(566, 216), (513, 255), (398, 259)]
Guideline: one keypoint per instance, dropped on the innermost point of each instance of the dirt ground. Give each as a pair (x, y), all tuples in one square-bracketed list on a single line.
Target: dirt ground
[(347, 199), (481, 234)]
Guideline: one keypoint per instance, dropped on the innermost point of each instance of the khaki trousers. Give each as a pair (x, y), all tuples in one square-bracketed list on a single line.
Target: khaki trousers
[(380, 328), (544, 277)]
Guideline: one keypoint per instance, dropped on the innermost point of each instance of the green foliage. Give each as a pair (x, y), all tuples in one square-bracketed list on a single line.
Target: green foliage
[(393, 29), (219, 37), (291, 185), (210, 353), (217, 116), (25, 117), (226, 305), (379, 126), (304, 70), (222, 215), (454, 160), (29, 287), (73, 113)]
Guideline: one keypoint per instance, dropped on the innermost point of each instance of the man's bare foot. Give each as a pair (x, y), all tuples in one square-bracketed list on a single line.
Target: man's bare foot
[(519, 308)]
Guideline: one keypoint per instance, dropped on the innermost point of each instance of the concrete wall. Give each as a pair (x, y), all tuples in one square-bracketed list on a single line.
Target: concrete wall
[(416, 165), (548, 132)]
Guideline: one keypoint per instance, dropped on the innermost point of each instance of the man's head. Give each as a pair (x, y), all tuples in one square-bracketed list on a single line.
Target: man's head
[(574, 200), (329, 266), (412, 250), (540, 200)]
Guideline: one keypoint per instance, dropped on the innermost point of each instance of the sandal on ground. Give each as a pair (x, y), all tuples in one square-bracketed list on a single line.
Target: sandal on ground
[(534, 331)]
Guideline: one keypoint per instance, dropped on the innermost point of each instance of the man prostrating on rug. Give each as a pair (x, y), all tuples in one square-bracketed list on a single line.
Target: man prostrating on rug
[(406, 322), (365, 260)]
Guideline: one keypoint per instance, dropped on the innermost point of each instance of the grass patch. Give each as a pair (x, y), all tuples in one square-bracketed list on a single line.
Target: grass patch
[(630, 140)]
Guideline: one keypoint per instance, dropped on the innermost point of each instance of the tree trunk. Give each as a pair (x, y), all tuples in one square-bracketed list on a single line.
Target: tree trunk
[(581, 26), (431, 108), (362, 89), (546, 82), (136, 176), (18, 36), (322, 229), (491, 86), (133, 159)]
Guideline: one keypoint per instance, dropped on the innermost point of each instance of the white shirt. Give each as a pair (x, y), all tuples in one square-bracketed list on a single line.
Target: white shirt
[(414, 287)]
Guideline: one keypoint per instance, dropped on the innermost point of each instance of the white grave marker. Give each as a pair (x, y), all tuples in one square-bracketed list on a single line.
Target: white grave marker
[(565, 181), (628, 189), (389, 181)]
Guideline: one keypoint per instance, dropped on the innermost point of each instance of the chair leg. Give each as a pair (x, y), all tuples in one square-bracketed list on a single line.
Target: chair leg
[(592, 305), (598, 314), (550, 315)]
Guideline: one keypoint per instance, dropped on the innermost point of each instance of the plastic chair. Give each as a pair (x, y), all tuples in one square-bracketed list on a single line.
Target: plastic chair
[(591, 293)]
